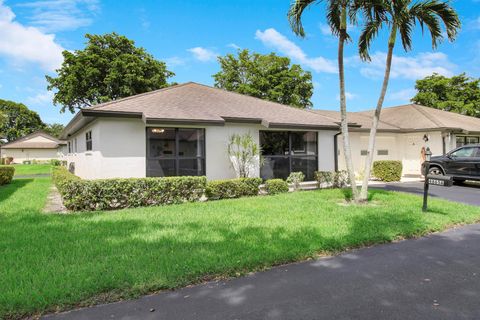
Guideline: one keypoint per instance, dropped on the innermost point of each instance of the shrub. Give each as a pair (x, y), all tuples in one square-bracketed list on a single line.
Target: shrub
[(274, 186), (6, 174), (324, 177), (388, 170), (2, 161), (109, 194), (338, 179), (8, 160), (232, 188), (296, 178), (55, 162)]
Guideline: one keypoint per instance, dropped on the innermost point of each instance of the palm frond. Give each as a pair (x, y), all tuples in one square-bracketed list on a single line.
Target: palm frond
[(369, 32), (430, 13), (295, 15)]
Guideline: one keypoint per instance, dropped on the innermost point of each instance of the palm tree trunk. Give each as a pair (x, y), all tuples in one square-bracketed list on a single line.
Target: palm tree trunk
[(376, 117), (347, 151)]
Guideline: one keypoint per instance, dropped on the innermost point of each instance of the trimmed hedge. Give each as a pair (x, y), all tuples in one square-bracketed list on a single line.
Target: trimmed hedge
[(110, 194), (232, 188), (334, 179), (387, 170), (275, 186), (6, 174)]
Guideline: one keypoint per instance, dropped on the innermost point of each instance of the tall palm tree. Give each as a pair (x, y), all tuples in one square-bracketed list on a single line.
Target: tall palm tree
[(338, 12), (401, 16)]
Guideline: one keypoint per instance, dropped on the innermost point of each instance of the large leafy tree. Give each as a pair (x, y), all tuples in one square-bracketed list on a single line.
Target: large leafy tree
[(268, 77), (400, 17), (110, 67), (338, 14), (460, 94), (54, 129), (18, 120)]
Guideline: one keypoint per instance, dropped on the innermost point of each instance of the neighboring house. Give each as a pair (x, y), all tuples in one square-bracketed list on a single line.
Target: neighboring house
[(184, 130), (38, 146), (404, 130)]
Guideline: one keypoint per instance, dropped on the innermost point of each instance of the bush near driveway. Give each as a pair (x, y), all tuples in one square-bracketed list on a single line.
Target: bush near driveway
[(232, 188), (275, 186), (107, 194), (6, 174), (387, 170)]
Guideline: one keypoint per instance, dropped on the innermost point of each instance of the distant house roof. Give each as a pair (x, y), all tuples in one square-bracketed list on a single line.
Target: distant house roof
[(410, 117), (193, 103), (36, 140)]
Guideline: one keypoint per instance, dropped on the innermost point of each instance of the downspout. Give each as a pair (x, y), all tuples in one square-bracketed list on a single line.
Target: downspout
[(335, 150)]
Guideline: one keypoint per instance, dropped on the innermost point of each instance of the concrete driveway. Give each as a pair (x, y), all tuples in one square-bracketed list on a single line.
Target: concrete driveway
[(436, 277), (467, 192)]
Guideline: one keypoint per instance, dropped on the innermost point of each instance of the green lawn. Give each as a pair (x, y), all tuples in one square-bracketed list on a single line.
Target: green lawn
[(31, 169), (52, 261)]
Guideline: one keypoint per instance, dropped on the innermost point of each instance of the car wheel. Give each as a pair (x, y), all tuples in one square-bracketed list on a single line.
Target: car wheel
[(435, 171)]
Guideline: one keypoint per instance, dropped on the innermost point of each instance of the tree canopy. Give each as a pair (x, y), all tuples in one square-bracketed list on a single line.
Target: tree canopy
[(54, 129), (268, 77), (108, 68), (460, 94), (18, 120)]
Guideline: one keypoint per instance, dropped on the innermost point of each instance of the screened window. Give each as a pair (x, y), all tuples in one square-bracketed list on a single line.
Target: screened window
[(285, 152), (464, 140), (175, 152), (88, 140)]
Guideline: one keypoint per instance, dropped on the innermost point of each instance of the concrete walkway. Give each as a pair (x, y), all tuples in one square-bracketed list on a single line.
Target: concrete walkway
[(436, 277)]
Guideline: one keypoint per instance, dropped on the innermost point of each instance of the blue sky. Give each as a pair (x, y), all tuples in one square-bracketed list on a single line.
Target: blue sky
[(188, 35)]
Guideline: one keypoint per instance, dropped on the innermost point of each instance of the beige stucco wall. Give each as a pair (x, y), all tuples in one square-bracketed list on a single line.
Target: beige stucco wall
[(405, 147), (119, 149), (20, 155)]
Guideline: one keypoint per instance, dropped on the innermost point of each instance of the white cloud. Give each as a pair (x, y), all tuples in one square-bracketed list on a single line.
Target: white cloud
[(348, 95), (40, 99), (402, 95), (325, 29), (59, 15), (174, 61), (412, 68), (233, 46), (203, 54), (272, 38), (27, 44)]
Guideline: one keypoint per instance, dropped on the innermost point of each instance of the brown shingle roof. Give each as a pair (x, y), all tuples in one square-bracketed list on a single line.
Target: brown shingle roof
[(411, 117), (193, 102), (27, 143)]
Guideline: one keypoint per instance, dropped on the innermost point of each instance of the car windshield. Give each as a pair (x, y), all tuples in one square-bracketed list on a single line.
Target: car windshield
[(465, 152)]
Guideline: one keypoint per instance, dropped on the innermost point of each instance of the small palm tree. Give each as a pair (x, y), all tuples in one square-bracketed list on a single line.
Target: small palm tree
[(338, 13), (401, 17)]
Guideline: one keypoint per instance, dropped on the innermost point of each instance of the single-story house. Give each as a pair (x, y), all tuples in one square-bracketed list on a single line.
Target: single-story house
[(38, 146), (184, 130), (402, 133)]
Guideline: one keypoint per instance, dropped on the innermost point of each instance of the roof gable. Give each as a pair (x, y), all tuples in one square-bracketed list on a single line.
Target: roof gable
[(35, 140)]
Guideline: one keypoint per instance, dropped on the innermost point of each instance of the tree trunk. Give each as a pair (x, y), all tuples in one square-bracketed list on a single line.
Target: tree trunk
[(376, 118), (347, 151)]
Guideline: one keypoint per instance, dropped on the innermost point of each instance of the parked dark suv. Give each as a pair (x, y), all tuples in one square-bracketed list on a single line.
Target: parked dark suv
[(462, 163)]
